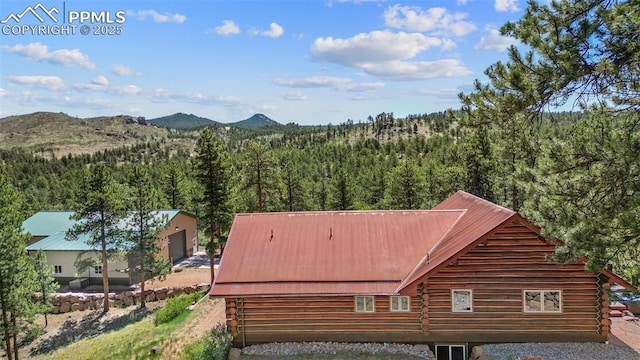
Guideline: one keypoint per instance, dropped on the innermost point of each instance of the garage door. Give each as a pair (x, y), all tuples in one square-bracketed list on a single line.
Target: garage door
[(178, 245)]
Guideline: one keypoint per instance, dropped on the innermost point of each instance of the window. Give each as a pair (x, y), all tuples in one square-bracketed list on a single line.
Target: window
[(57, 269), (451, 352), (399, 303), (364, 304), (542, 300), (461, 300), (97, 269)]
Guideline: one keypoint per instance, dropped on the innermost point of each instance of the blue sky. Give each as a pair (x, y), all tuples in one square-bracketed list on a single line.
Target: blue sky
[(309, 62)]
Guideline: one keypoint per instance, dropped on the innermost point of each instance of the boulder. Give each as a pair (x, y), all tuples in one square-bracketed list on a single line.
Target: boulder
[(234, 354), (65, 307), (476, 353), (189, 290), (161, 295), (128, 300)]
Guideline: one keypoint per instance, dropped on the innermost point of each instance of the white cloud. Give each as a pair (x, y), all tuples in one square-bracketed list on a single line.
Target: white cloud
[(157, 17), (494, 41), (40, 52), (129, 90), (3, 92), (293, 96), (49, 82), (97, 84), (312, 82), (100, 81), (121, 70), (461, 2), (337, 83), (227, 28), (275, 31), (373, 47), (417, 70), (506, 5), (413, 18)]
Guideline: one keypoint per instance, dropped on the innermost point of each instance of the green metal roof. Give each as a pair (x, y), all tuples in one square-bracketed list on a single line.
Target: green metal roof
[(57, 241), (45, 223)]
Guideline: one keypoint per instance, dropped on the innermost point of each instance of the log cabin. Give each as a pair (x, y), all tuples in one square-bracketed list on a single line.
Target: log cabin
[(466, 272)]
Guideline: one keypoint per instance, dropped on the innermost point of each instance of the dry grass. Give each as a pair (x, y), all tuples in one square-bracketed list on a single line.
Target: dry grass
[(135, 341)]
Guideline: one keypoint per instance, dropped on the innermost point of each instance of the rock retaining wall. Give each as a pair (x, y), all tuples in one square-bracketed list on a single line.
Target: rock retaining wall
[(66, 302)]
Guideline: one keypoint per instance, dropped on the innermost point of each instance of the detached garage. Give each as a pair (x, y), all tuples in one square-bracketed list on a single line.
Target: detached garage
[(176, 241)]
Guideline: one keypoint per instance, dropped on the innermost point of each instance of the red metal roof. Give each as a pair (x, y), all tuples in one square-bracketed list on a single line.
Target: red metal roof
[(481, 216), (348, 252)]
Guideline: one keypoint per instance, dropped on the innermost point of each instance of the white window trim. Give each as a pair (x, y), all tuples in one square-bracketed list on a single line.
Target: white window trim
[(453, 302), (463, 346), (373, 302), (399, 303), (542, 310)]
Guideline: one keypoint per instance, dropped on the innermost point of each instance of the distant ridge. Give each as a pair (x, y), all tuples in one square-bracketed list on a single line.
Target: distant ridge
[(182, 121), (257, 120)]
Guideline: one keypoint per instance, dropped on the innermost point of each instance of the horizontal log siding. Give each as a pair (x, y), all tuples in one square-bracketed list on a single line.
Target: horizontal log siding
[(510, 261), (302, 318)]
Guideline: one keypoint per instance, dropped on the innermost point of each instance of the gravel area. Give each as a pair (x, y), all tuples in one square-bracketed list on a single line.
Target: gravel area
[(561, 351), (284, 349)]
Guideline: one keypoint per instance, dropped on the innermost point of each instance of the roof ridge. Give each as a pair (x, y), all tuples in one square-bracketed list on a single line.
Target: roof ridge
[(321, 212), (427, 256), (487, 201)]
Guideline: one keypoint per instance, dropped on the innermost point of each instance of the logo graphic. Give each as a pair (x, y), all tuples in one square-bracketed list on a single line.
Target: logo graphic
[(34, 11), (41, 20)]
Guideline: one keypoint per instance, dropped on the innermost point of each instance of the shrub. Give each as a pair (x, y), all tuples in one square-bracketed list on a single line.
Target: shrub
[(175, 307), (213, 346)]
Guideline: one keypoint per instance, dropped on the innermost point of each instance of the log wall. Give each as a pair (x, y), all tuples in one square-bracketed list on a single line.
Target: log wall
[(319, 318), (498, 270)]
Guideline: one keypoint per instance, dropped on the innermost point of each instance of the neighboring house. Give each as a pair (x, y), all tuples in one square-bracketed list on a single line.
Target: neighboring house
[(176, 241), (466, 272)]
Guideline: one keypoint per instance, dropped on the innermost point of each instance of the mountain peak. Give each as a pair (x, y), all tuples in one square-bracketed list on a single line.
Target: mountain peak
[(257, 120)]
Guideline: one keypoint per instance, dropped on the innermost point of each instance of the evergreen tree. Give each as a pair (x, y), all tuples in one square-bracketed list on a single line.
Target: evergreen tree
[(295, 185), (585, 52), (342, 191), (144, 224), (406, 187), (260, 173), (174, 185), (17, 275), (47, 285), (98, 218), (213, 170), (479, 163)]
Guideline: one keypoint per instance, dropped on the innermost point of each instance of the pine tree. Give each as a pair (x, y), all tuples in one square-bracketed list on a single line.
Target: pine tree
[(260, 173), (406, 187), (47, 285), (98, 217), (213, 170), (583, 53), (143, 226), (17, 275)]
